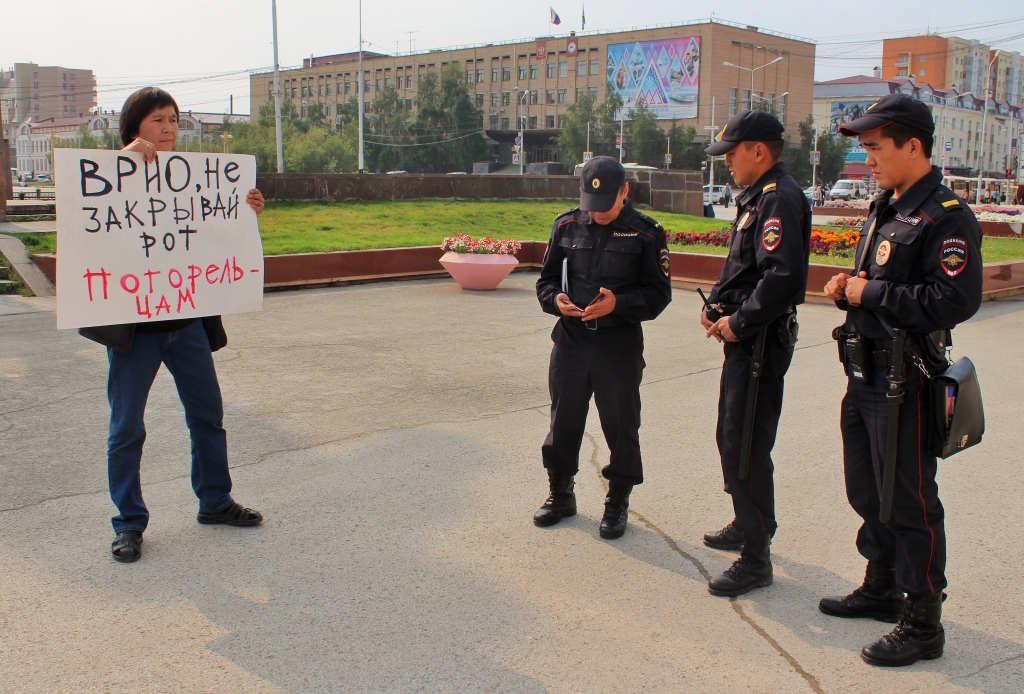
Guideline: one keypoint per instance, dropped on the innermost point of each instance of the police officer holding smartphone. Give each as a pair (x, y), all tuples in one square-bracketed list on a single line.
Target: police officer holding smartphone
[(918, 273), (605, 271), (752, 308)]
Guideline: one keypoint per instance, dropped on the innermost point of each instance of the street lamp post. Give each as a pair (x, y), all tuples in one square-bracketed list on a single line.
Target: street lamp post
[(277, 95), (752, 71), (984, 132)]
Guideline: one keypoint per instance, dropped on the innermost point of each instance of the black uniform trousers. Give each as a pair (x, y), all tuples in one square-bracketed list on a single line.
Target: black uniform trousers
[(914, 539), (753, 499), (607, 364)]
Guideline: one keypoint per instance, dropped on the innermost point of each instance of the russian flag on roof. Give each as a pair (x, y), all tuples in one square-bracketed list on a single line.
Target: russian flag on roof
[(555, 19)]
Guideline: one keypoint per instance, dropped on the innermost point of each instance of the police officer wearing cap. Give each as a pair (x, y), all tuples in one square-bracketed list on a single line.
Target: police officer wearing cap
[(918, 269), (752, 308), (605, 271)]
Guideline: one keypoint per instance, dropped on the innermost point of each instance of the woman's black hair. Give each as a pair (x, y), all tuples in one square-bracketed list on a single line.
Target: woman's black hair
[(137, 108)]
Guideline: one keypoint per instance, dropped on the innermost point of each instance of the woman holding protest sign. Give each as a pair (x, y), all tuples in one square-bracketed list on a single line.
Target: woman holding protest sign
[(149, 125)]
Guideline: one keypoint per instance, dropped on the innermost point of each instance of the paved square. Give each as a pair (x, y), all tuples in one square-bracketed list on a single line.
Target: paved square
[(391, 435)]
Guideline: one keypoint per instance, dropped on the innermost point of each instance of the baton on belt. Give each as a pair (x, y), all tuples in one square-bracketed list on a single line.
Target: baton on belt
[(756, 368), (894, 397)]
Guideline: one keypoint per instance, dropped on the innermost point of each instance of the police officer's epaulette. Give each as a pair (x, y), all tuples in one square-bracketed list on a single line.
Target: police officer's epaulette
[(650, 220), (943, 201), (768, 188), (575, 209)]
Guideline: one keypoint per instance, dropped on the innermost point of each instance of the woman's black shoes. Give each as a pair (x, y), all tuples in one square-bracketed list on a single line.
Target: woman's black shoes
[(127, 546), (233, 515)]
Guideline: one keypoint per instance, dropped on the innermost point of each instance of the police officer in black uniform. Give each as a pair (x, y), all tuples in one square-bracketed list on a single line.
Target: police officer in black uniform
[(753, 309), (605, 271), (919, 270)]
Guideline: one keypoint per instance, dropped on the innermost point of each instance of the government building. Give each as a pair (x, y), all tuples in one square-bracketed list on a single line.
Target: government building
[(676, 70)]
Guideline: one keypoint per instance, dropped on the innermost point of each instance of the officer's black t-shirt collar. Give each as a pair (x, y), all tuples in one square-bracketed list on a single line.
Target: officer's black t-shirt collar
[(914, 197), (777, 171), (621, 222)]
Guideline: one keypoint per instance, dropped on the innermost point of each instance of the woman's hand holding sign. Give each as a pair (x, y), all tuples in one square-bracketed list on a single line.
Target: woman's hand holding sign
[(143, 147), (255, 200)]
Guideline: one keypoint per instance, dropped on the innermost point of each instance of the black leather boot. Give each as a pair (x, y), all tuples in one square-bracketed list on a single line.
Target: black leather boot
[(616, 511), (752, 570), (729, 537), (878, 598), (919, 634), (560, 504)]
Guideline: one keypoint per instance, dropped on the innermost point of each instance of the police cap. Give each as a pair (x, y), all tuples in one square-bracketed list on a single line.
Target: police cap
[(749, 126), (600, 181), (893, 108)]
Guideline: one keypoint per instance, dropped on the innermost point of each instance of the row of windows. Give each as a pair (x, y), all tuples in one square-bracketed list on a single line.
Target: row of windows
[(759, 101), (526, 122), (504, 74), (33, 165)]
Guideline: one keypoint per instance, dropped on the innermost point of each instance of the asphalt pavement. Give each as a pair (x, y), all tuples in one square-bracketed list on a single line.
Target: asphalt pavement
[(391, 435)]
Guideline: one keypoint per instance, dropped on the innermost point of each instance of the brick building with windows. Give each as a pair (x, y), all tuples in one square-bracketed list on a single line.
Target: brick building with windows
[(39, 92), (676, 69)]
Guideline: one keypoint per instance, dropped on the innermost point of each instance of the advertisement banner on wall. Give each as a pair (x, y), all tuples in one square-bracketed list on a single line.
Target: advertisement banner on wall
[(843, 112), (664, 75)]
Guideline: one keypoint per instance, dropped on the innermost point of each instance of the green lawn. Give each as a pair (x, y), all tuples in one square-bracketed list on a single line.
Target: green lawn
[(304, 227)]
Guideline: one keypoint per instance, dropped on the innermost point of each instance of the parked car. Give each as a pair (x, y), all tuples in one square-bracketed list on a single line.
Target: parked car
[(847, 189), (394, 173), (44, 178), (714, 195)]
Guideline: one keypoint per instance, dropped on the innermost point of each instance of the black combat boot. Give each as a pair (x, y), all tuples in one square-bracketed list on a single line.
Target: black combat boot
[(560, 504), (918, 634), (878, 598), (616, 511), (729, 537), (752, 570)]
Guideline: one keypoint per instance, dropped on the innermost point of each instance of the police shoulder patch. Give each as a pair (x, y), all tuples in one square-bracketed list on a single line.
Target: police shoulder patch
[(771, 233), (650, 220), (663, 261), (770, 186), (951, 203), (953, 256)]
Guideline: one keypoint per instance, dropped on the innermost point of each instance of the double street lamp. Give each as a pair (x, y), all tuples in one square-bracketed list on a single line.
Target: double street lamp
[(752, 71)]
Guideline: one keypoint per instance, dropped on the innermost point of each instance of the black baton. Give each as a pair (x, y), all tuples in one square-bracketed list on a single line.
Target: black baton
[(756, 367), (894, 398)]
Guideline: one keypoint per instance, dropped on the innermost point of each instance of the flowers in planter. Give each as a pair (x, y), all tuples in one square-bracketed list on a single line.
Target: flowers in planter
[(463, 243), (855, 222), (840, 243)]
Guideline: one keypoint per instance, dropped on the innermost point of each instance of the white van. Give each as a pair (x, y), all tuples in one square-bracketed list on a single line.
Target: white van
[(848, 189), (714, 195)]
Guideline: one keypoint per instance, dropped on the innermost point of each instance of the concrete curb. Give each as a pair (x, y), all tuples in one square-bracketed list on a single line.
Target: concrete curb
[(14, 251)]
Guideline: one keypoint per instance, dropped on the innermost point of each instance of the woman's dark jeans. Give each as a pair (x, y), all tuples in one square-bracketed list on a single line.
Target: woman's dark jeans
[(186, 353)]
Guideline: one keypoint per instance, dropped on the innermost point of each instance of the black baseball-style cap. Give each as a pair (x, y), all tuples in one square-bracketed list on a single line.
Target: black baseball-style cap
[(749, 126), (894, 108), (600, 181)]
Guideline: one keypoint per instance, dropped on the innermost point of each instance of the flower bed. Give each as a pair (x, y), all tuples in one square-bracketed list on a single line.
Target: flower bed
[(463, 243), (842, 244)]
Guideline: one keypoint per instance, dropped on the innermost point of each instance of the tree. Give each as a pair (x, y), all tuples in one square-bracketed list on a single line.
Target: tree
[(647, 139), (832, 158), (448, 126), (607, 123), (388, 131), (686, 156), (575, 123)]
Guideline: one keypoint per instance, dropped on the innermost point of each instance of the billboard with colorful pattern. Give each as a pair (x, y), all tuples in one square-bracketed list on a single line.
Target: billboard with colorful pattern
[(664, 75)]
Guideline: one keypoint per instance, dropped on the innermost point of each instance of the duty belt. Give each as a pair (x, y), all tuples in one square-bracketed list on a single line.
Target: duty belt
[(601, 323)]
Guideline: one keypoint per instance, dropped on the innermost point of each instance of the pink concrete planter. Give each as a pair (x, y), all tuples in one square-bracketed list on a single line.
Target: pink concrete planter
[(478, 270)]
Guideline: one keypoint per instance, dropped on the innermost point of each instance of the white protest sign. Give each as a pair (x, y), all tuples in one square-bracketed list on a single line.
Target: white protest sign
[(163, 240)]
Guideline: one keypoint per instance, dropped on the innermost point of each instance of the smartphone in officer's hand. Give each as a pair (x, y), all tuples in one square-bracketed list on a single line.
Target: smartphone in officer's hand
[(566, 306)]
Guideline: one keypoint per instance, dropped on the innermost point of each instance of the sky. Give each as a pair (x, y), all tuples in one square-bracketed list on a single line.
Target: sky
[(203, 52)]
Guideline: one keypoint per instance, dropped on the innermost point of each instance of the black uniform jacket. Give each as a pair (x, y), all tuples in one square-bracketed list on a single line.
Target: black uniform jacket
[(924, 264), (766, 271), (628, 257)]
